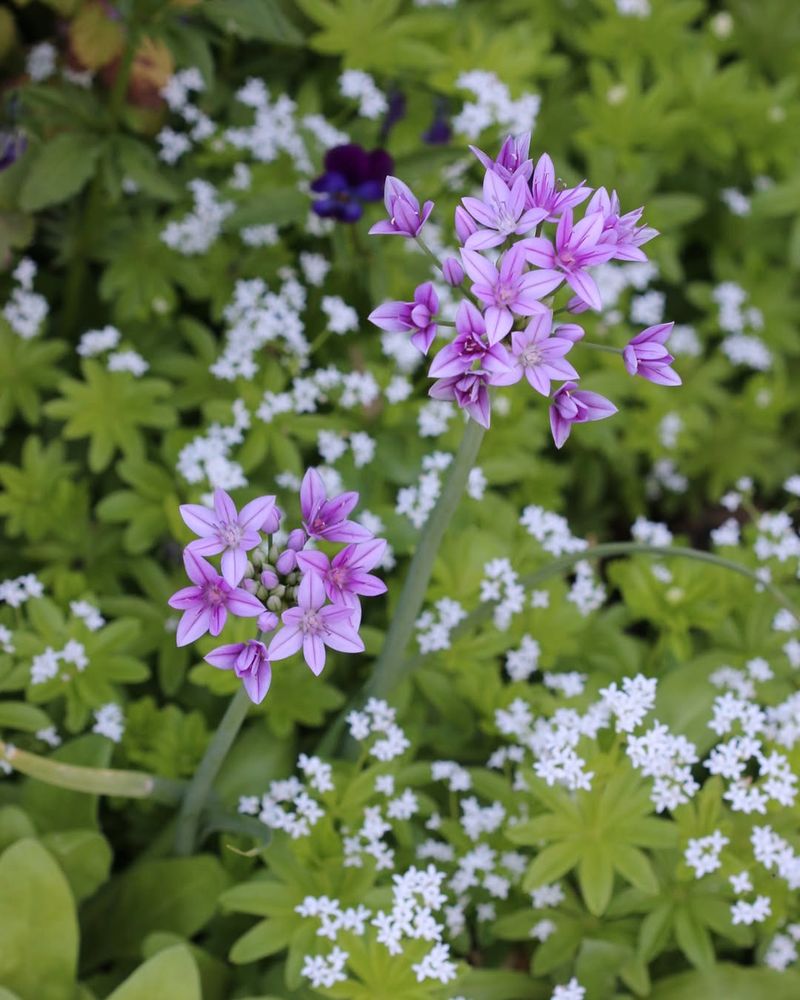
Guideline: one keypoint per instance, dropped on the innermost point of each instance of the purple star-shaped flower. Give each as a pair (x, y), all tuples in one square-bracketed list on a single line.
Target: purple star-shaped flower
[(646, 355), (571, 405), (346, 576), (502, 212), (509, 289), (313, 625), (545, 194), (469, 348), (621, 230), (206, 605), (470, 389), (540, 356), (512, 160), (224, 530), (324, 518), (578, 246), (405, 216), (416, 316), (249, 661)]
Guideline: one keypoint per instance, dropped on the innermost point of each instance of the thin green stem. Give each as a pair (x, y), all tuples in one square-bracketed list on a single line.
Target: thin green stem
[(92, 780), (120, 88), (200, 786), (389, 669), (427, 250), (599, 347)]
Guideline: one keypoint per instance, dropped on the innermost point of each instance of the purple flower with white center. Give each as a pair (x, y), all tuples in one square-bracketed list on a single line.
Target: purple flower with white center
[(545, 194), (249, 661), (468, 348), (571, 405), (313, 625), (352, 175), (577, 247), (206, 605), (512, 160), (224, 530), (508, 290), (402, 207), (502, 212), (346, 576), (324, 518), (416, 316), (540, 356), (620, 230), (646, 355), (470, 389)]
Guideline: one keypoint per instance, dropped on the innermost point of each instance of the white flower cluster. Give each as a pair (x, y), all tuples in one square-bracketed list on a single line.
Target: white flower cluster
[(777, 538), (501, 584), (40, 63), (734, 319), (550, 530), (208, 455), (360, 86), (493, 106), (651, 533), (378, 719), (197, 231), (417, 501), (109, 721), (96, 342), (16, 591), (573, 989), (629, 704), (703, 853), (434, 417), (342, 318), (782, 950), (178, 92), (586, 592), (434, 629), (308, 393), (46, 665), (88, 613), (288, 805), (522, 663), (668, 760), (26, 310), (256, 316)]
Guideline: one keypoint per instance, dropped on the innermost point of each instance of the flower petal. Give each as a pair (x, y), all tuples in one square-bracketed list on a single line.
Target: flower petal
[(201, 520)]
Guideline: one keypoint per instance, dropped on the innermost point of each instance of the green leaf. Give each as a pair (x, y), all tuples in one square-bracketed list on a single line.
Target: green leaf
[(729, 982), (551, 863), (253, 20), (174, 894), (18, 715), (85, 858), (596, 878), (634, 866), (170, 975), (266, 938), (279, 206), (39, 954), (693, 938), (59, 169)]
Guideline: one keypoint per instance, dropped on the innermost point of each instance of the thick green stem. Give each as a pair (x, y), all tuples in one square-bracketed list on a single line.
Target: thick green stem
[(389, 668), (93, 780), (200, 786)]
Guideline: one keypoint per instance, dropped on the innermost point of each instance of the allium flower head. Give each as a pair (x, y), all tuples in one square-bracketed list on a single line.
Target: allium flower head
[(249, 661), (324, 518), (571, 405), (224, 530), (405, 216), (206, 605), (352, 176), (647, 356)]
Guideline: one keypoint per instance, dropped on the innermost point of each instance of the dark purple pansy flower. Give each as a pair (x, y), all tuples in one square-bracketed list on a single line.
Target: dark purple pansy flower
[(352, 176)]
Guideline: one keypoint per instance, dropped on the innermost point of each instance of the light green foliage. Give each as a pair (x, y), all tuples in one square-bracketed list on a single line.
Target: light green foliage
[(676, 108)]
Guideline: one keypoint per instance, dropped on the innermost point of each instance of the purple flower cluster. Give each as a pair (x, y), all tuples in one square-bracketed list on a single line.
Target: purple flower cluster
[(504, 327), (308, 600)]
